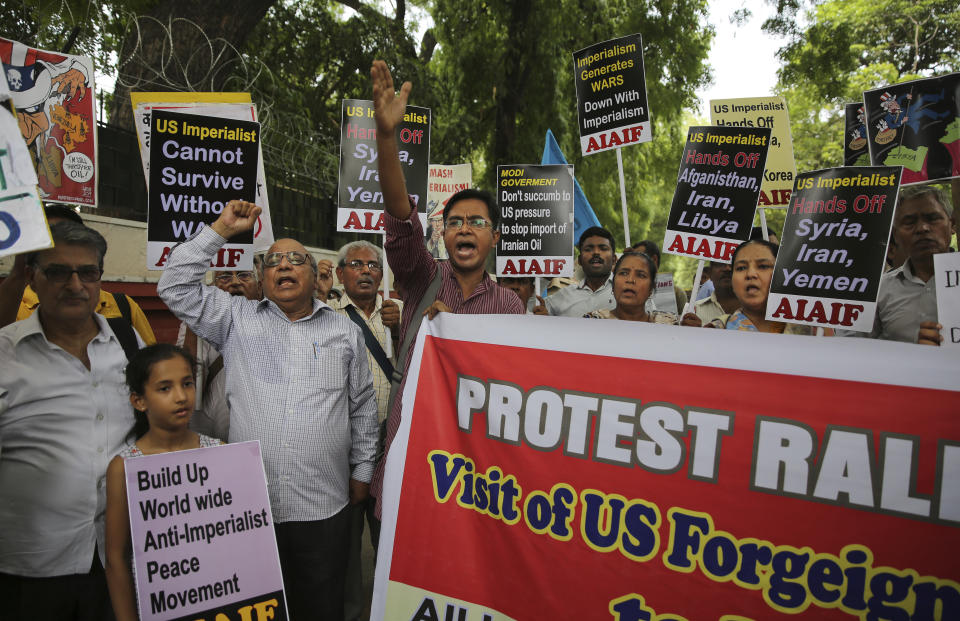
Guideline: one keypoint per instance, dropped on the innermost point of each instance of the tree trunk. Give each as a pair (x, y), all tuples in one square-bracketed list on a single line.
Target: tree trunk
[(520, 40), (182, 45)]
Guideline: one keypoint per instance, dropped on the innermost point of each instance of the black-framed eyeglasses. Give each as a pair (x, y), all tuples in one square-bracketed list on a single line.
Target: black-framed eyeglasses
[(474, 223), (62, 273), (273, 259), (226, 277), (357, 265)]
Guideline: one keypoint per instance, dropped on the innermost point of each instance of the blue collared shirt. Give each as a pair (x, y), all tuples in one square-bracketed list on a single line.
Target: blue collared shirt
[(302, 388)]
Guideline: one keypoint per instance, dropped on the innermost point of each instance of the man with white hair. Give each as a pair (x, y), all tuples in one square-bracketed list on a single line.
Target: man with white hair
[(360, 270)]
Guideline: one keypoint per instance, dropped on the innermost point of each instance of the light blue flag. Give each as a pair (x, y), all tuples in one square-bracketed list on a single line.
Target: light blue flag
[(583, 216)]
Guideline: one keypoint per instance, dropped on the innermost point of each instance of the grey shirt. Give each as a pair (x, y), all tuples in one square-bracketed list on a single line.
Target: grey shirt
[(578, 300), (903, 302)]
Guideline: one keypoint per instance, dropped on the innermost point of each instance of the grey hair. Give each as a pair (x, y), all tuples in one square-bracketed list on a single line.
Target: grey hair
[(912, 192), (72, 234), (342, 255)]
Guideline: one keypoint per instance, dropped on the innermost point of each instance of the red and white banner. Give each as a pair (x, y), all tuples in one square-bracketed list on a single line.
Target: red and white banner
[(615, 470)]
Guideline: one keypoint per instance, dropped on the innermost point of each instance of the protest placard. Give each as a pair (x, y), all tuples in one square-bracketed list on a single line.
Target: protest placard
[(53, 95), (445, 181), (198, 165), (664, 296), (360, 201), (769, 112), (946, 269), (536, 220), (855, 151), (833, 247), (222, 105), (23, 225), (202, 535), (611, 95), (671, 480), (916, 125), (717, 189)]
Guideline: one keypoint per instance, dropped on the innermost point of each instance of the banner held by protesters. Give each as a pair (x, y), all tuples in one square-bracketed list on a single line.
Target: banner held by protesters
[(199, 164), (360, 202), (833, 247), (536, 220), (628, 496)]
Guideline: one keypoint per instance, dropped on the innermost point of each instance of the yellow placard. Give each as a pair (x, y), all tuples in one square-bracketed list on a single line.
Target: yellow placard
[(764, 112), (137, 98)]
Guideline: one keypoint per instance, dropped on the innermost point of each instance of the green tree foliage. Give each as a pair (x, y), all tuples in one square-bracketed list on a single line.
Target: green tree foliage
[(837, 49), (506, 73)]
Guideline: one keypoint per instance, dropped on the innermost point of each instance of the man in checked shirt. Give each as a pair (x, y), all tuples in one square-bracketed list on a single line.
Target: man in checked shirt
[(470, 233), (297, 381)]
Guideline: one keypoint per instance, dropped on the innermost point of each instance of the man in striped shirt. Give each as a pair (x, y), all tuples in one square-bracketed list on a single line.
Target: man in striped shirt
[(470, 234)]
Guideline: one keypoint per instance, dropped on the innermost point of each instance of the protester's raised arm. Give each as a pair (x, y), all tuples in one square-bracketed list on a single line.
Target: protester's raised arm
[(206, 310), (389, 107)]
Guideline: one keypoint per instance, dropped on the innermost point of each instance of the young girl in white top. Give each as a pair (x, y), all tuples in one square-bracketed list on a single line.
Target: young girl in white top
[(160, 378)]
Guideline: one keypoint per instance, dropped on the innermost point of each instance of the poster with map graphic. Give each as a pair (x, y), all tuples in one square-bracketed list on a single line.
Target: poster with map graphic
[(56, 108), (916, 125)]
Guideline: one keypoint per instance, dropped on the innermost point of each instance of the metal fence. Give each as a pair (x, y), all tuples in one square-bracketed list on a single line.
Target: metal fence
[(298, 208)]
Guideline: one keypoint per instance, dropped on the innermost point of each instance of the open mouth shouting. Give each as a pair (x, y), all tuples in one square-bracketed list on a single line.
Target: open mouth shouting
[(465, 249), (287, 281)]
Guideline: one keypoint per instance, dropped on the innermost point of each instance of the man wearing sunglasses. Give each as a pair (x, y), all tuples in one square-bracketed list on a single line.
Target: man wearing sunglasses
[(297, 381), (18, 300), (64, 414), (470, 234)]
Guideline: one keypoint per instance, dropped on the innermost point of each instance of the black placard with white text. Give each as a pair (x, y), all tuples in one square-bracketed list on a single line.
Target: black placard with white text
[(197, 165), (611, 95), (360, 201), (536, 220), (833, 247), (717, 190)]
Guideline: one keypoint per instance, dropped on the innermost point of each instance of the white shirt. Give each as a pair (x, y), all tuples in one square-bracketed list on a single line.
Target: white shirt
[(60, 424), (578, 300), (302, 388)]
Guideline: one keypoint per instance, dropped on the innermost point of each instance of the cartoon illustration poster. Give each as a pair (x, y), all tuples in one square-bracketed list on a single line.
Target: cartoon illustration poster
[(855, 151), (53, 95), (916, 125)]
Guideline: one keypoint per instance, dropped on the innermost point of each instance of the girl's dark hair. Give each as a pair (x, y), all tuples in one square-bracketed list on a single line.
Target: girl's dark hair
[(772, 246), (138, 374), (651, 266)]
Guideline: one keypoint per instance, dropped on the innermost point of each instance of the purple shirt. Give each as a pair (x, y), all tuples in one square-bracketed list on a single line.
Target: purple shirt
[(414, 268)]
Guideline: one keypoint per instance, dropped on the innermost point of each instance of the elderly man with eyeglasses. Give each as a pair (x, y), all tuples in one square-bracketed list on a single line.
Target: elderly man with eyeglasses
[(64, 414), (297, 381)]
